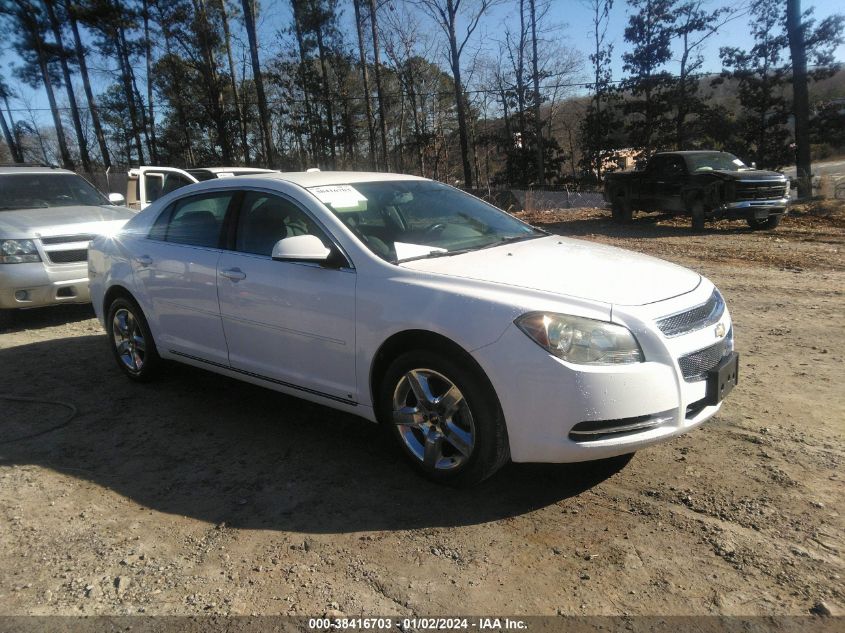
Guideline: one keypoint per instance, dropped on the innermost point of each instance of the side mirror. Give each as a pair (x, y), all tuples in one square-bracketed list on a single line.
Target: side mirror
[(301, 248), (117, 198), (753, 165)]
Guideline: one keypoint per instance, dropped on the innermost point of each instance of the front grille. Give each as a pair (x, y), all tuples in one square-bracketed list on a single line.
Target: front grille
[(65, 239), (67, 257), (691, 320), (762, 191), (695, 366)]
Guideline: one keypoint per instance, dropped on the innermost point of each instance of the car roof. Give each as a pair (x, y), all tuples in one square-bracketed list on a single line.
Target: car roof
[(317, 178), (13, 169), (230, 170)]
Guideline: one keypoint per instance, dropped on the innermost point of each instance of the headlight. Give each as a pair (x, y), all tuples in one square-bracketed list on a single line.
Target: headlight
[(788, 186), (581, 341), (18, 252)]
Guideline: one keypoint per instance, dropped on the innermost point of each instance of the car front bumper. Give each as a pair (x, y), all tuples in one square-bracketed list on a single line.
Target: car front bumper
[(752, 209), (37, 284), (547, 401)]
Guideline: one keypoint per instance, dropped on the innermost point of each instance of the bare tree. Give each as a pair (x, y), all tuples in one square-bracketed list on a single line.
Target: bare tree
[(263, 114), (93, 111), (447, 14), (379, 90), (61, 53), (366, 81)]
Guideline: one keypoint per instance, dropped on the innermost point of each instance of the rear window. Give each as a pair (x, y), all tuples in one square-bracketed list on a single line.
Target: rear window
[(44, 190)]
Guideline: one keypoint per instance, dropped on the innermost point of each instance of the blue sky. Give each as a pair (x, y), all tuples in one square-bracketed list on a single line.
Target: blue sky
[(572, 15)]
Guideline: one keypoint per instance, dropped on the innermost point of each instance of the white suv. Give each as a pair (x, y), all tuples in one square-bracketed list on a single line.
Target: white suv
[(47, 218)]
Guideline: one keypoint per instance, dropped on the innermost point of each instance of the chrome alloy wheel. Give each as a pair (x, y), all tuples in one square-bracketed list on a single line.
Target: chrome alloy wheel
[(433, 419), (129, 340)]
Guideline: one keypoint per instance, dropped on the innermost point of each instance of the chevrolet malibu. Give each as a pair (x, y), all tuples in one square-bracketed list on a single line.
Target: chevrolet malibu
[(472, 337)]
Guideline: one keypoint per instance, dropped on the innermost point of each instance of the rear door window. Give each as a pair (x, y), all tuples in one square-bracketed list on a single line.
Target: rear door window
[(194, 221)]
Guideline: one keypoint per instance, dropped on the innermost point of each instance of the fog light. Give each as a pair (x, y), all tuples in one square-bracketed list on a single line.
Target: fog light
[(22, 295)]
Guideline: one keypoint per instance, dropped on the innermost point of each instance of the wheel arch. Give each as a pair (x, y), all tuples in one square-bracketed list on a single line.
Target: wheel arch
[(417, 339), (115, 291)]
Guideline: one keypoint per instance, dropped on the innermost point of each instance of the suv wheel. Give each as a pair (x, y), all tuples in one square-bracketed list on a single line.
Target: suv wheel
[(6, 318), (131, 341), (770, 222), (445, 418)]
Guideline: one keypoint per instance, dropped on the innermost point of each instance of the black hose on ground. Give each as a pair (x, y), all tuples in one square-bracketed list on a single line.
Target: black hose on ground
[(71, 408)]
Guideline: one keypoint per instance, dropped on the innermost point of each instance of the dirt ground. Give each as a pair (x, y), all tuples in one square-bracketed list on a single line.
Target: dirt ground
[(202, 495)]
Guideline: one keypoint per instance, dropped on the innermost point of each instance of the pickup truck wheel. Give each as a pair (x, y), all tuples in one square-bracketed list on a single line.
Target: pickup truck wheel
[(621, 210), (697, 212), (770, 222)]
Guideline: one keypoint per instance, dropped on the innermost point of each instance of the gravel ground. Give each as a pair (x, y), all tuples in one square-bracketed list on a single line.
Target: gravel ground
[(202, 495)]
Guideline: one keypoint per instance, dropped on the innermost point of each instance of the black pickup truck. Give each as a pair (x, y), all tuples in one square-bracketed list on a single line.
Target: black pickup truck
[(702, 184)]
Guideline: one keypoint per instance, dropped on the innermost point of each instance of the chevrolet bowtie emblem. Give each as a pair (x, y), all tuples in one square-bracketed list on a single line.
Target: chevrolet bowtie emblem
[(720, 330)]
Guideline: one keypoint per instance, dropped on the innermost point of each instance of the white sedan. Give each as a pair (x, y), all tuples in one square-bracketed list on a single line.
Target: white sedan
[(472, 337)]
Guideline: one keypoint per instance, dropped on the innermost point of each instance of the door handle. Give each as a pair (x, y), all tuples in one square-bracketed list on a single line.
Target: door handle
[(144, 260), (234, 274)]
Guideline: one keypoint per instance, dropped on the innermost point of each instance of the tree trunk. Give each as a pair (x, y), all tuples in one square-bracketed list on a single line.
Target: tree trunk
[(800, 96), (459, 95), (300, 41), (227, 40), (67, 161), (123, 61), (74, 110), (148, 56), (324, 73), (538, 123), (377, 65), (267, 139), (86, 84), (10, 141), (371, 134), (135, 92)]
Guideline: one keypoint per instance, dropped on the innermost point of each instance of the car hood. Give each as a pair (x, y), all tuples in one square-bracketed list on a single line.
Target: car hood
[(42, 222), (570, 267)]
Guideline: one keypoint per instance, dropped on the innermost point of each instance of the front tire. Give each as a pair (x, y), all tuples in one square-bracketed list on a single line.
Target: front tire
[(445, 418), (697, 212), (621, 210), (131, 341), (770, 222), (7, 317)]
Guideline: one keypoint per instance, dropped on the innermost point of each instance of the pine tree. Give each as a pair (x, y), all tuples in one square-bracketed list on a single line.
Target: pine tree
[(650, 31)]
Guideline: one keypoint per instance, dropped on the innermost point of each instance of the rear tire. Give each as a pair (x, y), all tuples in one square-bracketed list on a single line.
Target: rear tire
[(131, 341), (770, 222), (454, 431), (621, 210), (7, 317)]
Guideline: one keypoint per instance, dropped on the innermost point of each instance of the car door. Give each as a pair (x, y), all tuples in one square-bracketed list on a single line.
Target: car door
[(149, 183), (651, 182), (289, 322), (176, 268), (670, 182)]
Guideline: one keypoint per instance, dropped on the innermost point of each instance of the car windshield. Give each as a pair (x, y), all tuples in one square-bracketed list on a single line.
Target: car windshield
[(415, 219), (42, 190), (713, 161)]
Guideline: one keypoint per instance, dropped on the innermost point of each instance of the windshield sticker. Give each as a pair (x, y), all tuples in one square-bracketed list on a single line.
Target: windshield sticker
[(340, 197), (406, 251)]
